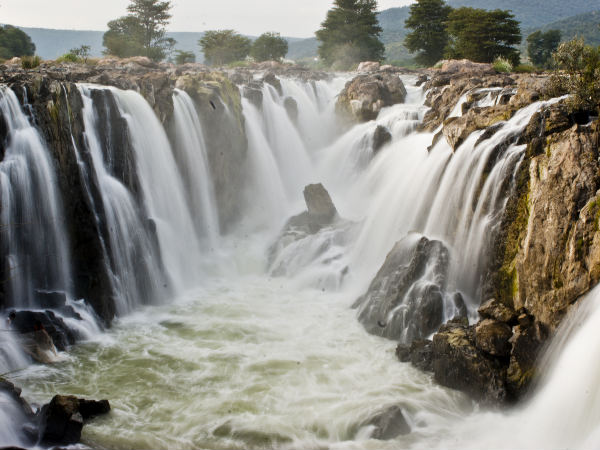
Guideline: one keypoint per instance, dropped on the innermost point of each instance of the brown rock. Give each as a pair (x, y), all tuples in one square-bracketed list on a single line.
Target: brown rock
[(493, 337), (493, 309)]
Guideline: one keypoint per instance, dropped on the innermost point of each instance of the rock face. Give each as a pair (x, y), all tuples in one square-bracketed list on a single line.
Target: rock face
[(364, 96), (405, 300)]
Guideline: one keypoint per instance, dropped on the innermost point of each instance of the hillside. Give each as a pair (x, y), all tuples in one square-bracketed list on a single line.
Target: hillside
[(584, 25)]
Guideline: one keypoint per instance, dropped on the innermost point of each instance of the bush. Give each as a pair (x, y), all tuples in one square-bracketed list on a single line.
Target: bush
[(502, 65), (524, 68), (30, 62), (68, 58), (577, 74)]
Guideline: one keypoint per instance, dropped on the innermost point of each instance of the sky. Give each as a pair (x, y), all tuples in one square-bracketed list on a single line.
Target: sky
[(294, 18)]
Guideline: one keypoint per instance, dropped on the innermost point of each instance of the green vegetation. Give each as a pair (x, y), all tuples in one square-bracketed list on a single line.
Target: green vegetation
[(350, 34), (578, 74), (30, 62), (269, 47), (540, 47), (482, 36), (582, 25), (76, 55), (502, 65), (224, 47), (524, 68), (142, 32), (429, 36), (183, 57), (14, 42)]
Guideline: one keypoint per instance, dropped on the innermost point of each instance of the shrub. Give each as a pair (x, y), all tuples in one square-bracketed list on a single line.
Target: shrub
[(30, 62), (524, 68), (68, 58), (502, 65), (577, 74)]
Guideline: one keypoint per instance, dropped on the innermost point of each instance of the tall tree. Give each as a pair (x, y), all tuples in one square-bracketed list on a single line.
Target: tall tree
[(482, 36), (15, 42), (429, 36), (540, 46), (269, 47), (350, 33), (142, 32), (224, 47)]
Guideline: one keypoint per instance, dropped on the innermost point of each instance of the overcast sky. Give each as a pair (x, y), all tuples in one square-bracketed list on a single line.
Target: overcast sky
[(299, 18)]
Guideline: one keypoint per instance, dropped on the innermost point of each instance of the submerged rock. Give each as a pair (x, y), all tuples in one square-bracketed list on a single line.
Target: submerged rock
[(405, 300), (388, 424), (381, 136)]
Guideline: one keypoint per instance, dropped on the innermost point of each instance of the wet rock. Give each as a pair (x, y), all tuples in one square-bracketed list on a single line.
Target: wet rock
[(405, 301), (459, 305), (419, 353), (459, 364), (457, 129), (381, 136), (14, 393), (271, 79), (51, 299), (493, 337), (319, 203), (61, 420), (291, 107), (493, 309), (26, 322), (364, 96), (388, 424), (254, 95), (421, 80)]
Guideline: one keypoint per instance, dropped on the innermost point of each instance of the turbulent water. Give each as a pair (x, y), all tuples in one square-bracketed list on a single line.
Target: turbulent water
[(241, 349)]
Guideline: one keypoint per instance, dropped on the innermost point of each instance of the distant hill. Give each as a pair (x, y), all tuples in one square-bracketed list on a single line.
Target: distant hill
[(583, 25), (534, 13)]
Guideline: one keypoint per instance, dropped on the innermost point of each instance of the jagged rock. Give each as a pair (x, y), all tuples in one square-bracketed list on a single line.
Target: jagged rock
[(493, 337), (388, 424), (459, 305), (364, 96), (319, 203), (493, 309), (421, 80), (271, 79), (368, 66), (61, 420), (14, 392), (25, 322), (291, 107), (396, 284), (381, 136), (457, 129), (458, 364), (419, 353), (464, 66)]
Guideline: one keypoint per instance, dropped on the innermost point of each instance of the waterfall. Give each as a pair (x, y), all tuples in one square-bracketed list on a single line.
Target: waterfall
[(34, 239)]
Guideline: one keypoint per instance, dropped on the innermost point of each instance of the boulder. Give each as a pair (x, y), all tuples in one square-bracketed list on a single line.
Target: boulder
[(368, 66), (388, 424), (61, 420), (291, 107), (405, 300), (26, 322), (364, 96), (419, 353), (271, 78), (254, 95), (493, 309), (51, 299), (493, 337), (319, 203), (381, 136), (459, 364)]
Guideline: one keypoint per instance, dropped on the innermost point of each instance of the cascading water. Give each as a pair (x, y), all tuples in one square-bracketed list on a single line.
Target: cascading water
[(255, 360)]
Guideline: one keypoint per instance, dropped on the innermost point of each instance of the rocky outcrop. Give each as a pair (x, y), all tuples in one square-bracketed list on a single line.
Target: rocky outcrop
[(405, 300), (364, 96)]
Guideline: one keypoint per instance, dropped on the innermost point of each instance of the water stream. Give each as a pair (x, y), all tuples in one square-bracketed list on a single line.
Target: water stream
[(231, 349)]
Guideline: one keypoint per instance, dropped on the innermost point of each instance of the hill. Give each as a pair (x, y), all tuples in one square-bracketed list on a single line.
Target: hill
[(584, 25)]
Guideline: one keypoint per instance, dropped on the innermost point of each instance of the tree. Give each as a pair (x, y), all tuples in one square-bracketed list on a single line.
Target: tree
[(428, 21), (142, 32), (578, 74), (482, 36), (269, 47), (350, 34), (15, 42), (540, 46), (82, 53), (183, 57), (224, 47)]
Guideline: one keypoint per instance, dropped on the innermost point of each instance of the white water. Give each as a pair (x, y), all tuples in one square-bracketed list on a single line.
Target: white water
[(252, 361)]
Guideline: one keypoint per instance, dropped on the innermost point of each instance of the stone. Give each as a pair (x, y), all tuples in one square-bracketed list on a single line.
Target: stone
[(381, 136), (368, 66), (388, 424), (51, 299), (464, 66), (254, 95), (419, 353), (527, 341), (25, 322), (459, 305), (422, 79), (319, 203), (271, 78), (291, 107), (493, 309), (363, 97), (493, 337), (92, 408), (404, 270)]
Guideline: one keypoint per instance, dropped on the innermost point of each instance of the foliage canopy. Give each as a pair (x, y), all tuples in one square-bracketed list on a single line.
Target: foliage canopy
[(429, 36), (350, 34), (541, 45), (15, 42), (224, 47), (269, 47), (142, 32)]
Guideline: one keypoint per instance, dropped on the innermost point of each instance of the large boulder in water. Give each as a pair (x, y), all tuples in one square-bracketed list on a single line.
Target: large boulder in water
[(388, 424), (364, 96), (405, 300)]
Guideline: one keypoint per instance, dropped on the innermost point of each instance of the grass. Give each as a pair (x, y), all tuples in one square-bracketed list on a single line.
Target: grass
[(502, 65), (30, 62)]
